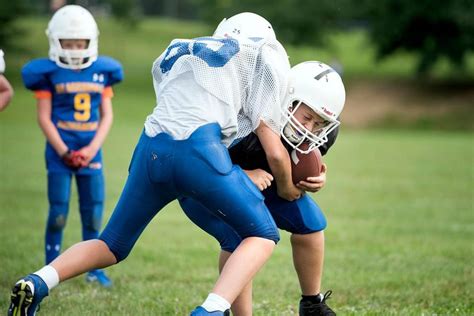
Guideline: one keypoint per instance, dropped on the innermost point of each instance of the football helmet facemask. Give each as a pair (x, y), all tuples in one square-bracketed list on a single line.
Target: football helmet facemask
[(320, 87), (69, 23), (245, 25)]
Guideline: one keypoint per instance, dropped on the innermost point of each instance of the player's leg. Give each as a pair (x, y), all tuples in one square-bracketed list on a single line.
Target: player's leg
[(225, 190), (91, 203), (91, 207), (305, 220), (139, 202), (242, 305), (228, 239), (59, 191), (308, 257)]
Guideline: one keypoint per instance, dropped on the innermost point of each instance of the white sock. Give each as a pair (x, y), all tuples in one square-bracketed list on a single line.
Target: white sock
[(49, 275), (215, 302)]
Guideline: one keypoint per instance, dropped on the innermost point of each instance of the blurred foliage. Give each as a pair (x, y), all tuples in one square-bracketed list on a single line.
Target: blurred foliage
[(125, 10), (430, 28), (295, 21), (9, 12), (186, 9)]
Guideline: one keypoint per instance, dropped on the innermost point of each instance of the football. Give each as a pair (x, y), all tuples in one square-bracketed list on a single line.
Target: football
[(305, 165)]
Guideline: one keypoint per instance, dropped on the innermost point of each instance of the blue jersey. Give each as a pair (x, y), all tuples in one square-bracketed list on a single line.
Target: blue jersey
[(76, 98)]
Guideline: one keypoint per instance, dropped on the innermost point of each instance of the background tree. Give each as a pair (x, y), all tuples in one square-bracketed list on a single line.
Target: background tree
[(429, 28), (10, 11)]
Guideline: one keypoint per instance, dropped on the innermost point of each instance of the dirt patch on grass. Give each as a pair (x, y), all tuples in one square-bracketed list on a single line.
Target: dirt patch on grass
[(371, 103)]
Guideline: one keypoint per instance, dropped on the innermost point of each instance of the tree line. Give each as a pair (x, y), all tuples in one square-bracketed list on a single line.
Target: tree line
[(431, 29)]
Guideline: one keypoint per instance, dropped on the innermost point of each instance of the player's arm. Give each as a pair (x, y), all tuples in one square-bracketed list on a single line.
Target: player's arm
[(44, 108), (6, 92), (279, 161), (105, 123)]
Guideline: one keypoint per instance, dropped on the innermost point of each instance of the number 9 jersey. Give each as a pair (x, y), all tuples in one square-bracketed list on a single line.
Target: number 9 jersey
[(76, 97)]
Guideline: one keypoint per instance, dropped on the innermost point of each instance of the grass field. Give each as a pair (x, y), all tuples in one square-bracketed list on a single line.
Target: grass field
[(399, 206)]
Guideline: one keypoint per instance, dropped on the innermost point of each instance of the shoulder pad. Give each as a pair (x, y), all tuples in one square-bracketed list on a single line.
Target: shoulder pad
[(112, 67), (35, 74)]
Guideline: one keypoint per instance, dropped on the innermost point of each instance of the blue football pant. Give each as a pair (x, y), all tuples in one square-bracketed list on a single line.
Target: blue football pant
[(302, 216), (91, 201), (163, 169)]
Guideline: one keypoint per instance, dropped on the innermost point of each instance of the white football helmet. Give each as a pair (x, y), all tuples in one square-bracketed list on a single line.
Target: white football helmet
[(319, 87), (2, 62), (72, 22), (245, 25)]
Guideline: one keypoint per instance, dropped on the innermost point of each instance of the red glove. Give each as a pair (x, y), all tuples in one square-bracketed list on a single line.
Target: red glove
[(73, 159)]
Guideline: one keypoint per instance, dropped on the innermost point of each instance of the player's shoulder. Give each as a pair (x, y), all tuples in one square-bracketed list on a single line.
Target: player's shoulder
[(107, 63), (39, 66)]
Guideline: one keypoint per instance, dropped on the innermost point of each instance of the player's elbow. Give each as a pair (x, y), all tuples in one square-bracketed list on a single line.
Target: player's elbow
[(276, 157)]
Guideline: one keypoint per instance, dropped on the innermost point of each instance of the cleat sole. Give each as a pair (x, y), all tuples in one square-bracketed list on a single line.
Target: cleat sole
[(21, 298)]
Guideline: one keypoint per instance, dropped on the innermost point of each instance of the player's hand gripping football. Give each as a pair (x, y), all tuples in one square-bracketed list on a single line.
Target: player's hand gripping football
[(260, 178), (73, 159), (314, 184)]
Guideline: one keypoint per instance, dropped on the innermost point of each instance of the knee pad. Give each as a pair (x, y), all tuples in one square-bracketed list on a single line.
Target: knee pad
[(91, 200), (57, 216), (92, 216)]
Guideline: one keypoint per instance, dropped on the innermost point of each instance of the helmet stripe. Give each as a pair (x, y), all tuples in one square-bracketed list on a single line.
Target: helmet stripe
[(324, 73)]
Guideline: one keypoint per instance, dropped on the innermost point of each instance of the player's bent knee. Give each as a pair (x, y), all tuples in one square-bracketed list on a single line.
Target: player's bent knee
[(120, 250), (270, 234)]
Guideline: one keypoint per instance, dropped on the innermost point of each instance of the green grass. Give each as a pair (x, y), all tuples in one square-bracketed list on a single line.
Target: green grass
[(399, 207)]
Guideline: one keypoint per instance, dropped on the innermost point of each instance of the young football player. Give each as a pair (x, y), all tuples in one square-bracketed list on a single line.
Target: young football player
[(6, 90), (73, 89), (210, 91), (316, 97)]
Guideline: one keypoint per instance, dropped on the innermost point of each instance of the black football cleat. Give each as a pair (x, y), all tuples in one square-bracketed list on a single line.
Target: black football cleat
[(309, 308)]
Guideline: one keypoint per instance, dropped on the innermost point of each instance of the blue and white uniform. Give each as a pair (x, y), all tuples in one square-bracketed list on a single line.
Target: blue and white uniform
[(302, 216), (209, 91), (76, 97)]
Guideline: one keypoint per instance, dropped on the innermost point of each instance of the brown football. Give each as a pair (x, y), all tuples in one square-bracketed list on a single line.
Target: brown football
[(305, 165)]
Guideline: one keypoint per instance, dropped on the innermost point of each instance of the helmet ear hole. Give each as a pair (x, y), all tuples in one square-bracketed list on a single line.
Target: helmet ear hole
[(293, 106)]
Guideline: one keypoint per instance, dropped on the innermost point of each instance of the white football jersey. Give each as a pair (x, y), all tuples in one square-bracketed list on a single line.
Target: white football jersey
[(236, 84)]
